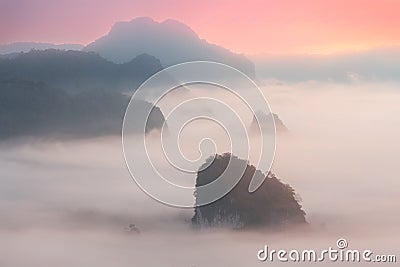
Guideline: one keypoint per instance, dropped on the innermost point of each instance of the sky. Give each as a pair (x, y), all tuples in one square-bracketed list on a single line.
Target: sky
[(250, 27)]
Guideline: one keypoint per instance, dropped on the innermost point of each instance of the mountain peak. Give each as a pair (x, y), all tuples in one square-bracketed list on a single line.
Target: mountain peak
[(142, 25), (179, 27), (170, 41), (135, 23)]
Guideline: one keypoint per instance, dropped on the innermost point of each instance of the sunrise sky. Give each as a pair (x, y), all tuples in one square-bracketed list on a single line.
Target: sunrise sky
[(251, 27)]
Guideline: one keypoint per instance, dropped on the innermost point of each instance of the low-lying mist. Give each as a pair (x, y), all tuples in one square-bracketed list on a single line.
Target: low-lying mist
[(70, 203)]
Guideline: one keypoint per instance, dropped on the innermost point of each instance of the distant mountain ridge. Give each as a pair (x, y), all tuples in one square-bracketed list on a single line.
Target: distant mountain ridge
[(19, 47), (78, 71), (373, 65), (170, 41)]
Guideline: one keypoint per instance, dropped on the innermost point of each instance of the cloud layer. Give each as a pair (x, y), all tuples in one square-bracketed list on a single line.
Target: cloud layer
[(68, 203)]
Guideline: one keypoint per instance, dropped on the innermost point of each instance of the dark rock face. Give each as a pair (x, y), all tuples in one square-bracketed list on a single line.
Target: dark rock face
[(273, 204)]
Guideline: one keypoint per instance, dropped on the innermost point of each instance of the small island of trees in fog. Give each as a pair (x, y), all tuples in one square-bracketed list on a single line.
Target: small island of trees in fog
[(273, 204)]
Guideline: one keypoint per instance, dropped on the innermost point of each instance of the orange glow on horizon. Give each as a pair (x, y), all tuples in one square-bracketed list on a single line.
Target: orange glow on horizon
[(253, 27)]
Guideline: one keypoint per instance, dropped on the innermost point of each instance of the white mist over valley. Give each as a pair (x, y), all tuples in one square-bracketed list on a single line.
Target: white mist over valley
[(69, 203)]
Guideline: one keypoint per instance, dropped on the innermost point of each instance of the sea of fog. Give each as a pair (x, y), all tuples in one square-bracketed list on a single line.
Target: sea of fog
[(69, 203)]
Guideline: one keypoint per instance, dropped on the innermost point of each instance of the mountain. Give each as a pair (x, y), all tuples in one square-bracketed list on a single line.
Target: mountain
[(36, 109), (272, 204), (28, 46), (265, 123), (78, 71), (170, 41)]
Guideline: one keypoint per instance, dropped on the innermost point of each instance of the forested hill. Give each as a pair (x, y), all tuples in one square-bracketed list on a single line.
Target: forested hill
[(77, 71)]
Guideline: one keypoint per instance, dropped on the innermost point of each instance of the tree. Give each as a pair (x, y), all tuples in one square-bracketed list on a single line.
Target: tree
[(273, 204)]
